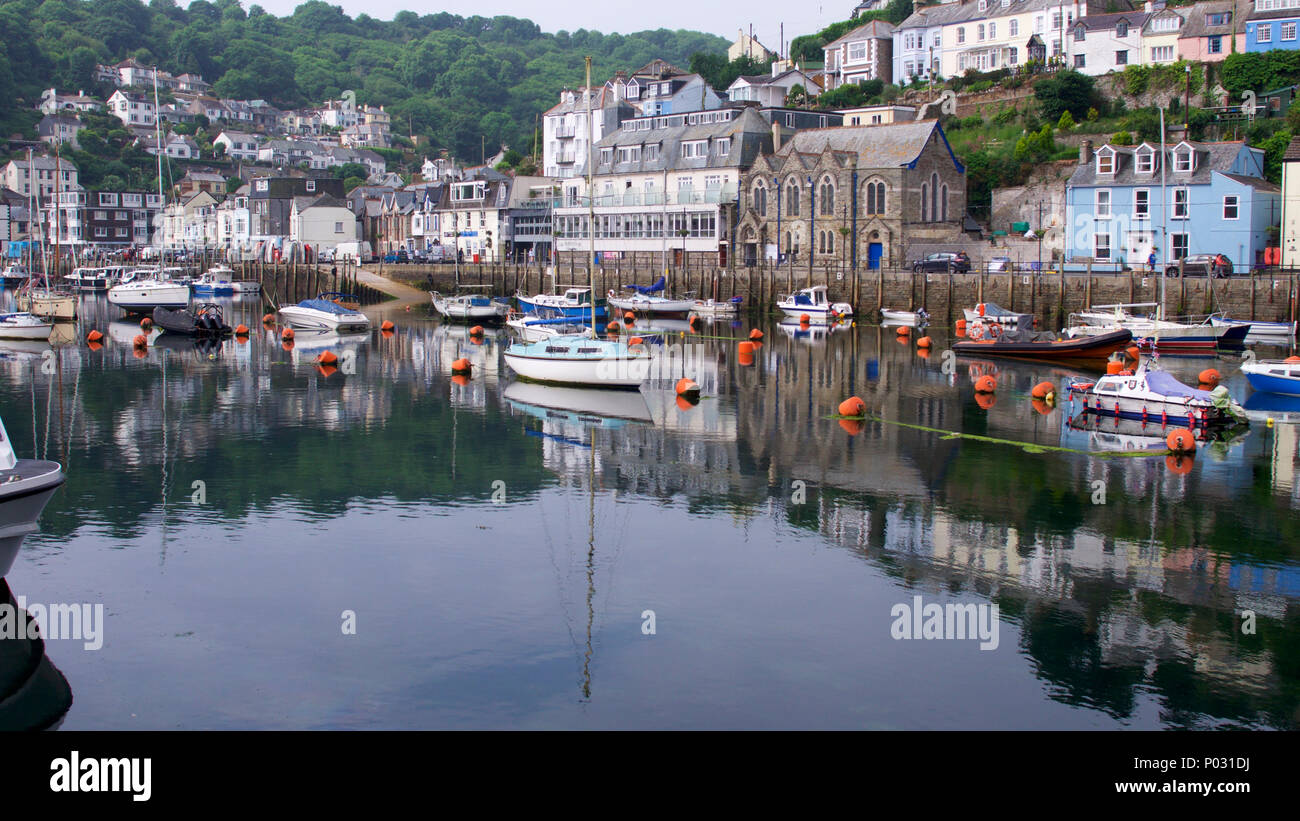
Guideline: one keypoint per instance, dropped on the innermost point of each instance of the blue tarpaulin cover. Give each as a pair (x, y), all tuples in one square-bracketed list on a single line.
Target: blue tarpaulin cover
[(1166, 385), (659, 285)]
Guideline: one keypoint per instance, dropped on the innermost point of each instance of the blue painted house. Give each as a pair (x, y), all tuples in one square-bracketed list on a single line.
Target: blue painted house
[(1273, 24), (1216, 198)]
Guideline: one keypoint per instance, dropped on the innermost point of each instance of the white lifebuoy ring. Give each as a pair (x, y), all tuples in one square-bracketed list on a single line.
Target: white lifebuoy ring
[(975, 331)]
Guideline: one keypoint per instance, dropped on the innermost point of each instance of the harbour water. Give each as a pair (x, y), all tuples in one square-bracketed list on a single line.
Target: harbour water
[(284, 546)]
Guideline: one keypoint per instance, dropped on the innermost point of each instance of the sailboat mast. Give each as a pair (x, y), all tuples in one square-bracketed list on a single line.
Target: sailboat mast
[(58, 198), (591, 205), (33, 217), (157, 131), (1164, 213)]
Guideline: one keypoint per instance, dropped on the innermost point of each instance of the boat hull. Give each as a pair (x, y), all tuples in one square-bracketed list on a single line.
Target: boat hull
[(24, 329), (25, 489), (1076, 350), (1276, 332), (461, 311), (142, 300), (653, 306), (816, 313), (534, 305), (580, 361), (710, 307), (314, 320)]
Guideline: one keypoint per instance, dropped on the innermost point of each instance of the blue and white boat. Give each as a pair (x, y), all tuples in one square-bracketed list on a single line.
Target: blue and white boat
[(1273, 376), (1155, 397), (581, 359), (574, 302), (815, 304), (1276, 333), (649, 300), (329, 311), (218, 281)]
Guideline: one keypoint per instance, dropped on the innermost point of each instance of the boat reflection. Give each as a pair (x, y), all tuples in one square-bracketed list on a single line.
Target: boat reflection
[(575, 409), (34, 695)]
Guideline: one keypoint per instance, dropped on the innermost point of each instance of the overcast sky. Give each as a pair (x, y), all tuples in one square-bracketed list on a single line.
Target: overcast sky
[(723, 18)]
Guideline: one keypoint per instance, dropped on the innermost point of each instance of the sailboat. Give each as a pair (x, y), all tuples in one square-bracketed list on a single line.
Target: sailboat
[(582, 359), (43, 300)]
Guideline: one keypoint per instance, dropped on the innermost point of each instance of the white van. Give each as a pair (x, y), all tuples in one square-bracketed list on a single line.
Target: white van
[(356, 251)]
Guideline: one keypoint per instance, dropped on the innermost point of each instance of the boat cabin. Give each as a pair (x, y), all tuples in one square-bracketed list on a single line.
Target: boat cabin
[(812, 297)]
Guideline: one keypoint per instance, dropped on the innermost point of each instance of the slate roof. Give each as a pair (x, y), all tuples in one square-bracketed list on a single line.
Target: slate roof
[(886, 146), (746, 129), (946, 13), (1107, 22), (1255, 182), (875, 30), (1292, 150), (1195, 18), (1210, 157)]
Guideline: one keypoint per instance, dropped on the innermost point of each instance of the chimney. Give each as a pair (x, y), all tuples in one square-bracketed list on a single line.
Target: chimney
[(776, 136), (1085, 152)]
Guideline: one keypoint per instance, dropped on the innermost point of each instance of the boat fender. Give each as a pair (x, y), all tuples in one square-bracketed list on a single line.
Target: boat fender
[(924, 342), (903, 330), (611, 328), (1210, 377)]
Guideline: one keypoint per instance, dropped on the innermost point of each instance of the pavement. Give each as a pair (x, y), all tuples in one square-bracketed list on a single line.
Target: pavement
[(403, 295)]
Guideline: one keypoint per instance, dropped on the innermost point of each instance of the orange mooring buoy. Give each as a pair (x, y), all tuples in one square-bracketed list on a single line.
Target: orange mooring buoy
[(986, 384), (853, 406), (924, 342), (387, 326), (1044, 390), (1210, 377), (477, 330), (629, 317), (804, 319), (146, 323), (687, 387), (241, 330), (611, 328), (269, 319), (327, 358), (94, 336), (635, 340), (461, 365), (286, 334), (1181, 440), (755, 335)]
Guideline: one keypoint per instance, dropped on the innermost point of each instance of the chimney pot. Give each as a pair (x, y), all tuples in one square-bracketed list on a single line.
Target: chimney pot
[(1085, 152)]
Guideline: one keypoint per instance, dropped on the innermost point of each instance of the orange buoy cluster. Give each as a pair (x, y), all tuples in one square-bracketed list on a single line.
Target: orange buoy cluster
[(146, 323), (461, 366), (1210, 377), (241, 330), (477, 330), (1181, 441), (755, 335), (141, 341), (328, 358), (924, 342), (611, 328), (286, 334), (269, 319), (853, 406), (687, 388), (986, 384), (94, 336), (1045, 391), (387, 326)]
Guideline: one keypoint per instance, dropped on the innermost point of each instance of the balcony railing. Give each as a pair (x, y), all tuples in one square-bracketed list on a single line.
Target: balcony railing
[(565, 133)]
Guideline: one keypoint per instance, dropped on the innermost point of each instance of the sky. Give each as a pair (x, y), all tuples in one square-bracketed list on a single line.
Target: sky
[(722, 18)]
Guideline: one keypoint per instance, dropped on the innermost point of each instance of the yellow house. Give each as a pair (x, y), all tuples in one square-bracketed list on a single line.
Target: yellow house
[(1160, 37)]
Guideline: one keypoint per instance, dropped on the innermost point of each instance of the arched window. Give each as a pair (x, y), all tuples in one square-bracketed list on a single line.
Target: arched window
[(830, 242), (827, 196), (760, 199), (821, 242), (945, 202), (880, 198), (934, 197), (788, 246), (792, 199), (925, 202), (875, 198)]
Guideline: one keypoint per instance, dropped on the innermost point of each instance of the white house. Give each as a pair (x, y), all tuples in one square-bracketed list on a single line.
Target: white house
[(239, 146), (322, 222), (770, 91), (132, 108), (1101, 43)]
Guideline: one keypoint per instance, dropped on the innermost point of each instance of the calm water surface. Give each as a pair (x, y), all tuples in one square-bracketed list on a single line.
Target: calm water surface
[(499, 544)]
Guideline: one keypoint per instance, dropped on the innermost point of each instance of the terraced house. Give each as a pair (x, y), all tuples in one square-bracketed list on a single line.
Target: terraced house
[(1271, 24), (800, 199)]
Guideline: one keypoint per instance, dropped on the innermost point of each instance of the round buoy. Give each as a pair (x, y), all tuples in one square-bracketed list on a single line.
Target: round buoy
[(684, 403), (687, 387), (1041, 406), (1114, 366), (853, 406), (1181, 440), (629, 317), (269, 319), (477, 330), (461, 365), (287, 333), (986, 400), (611, 328), (140, 341), (924, 342), (755, 335), (1044, 390), (387, 326), (804, 319), (94, 336), (146, 323), (241, 330), (852, 426), (1181, 464), (1134, 352), (327, 358), (386, 333), (1210, 377), (903, 330), (986, 384)]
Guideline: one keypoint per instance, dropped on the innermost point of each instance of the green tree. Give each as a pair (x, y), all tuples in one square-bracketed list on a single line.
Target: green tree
[(1066, 91)]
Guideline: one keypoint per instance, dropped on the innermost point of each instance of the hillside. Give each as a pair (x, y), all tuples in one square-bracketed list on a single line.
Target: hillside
[(452, 79)]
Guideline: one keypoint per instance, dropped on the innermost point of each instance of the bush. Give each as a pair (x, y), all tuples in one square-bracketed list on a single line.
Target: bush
[(1136, 79), (1066, 91), (981, 85), (1066, 122), (1121, 138), (1006, 115)]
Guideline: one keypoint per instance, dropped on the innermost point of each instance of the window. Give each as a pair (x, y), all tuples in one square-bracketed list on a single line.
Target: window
[(1079, 33), (652, 152), (1288, 31), (1215, 45), (694, 148), (1013, 56), (338, 227), (760, 200), (1180, 203), (101, 215), (1103, 204), (1101, 246), (857, 51), (1056, 21), (875, 199), (1231, 207), (1121, 29), (119, 215), (984, 5), (1121, 57), (1013, 28), (961, 35), (1142, 203), (1078, 61), (1106, 161), (993, 31), (792, 199), (724, 146), (607, 156), (1162, 54), (311, 185), (1178, 246), (938, 40), (826, 197), (1169, 23), (1217, 19), (979, 35), (1183, 160), (1038, 24), (1264, 33)]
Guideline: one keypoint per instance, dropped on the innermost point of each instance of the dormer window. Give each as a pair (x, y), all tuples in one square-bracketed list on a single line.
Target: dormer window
[(1184, 159), (1106, 160), (1121, 28), (1078, 34), (984, 5), (1145, 160)]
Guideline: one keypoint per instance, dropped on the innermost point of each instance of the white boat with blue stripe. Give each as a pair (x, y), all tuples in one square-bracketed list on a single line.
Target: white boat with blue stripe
[(1273, 376), (581, 359), (815, 303)]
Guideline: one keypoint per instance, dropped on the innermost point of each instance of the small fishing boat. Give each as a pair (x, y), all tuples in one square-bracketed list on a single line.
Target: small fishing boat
[(24, 326), (710, 308), (14, 275), (992, 313), (1156, 397), (574, 302), (470, 307), (1016, 343), (205, 320), (1273, 376), (26, 486), (329, 311), (815, 304), (1276, 333), (897, 317), (649, 300), (89, 279)]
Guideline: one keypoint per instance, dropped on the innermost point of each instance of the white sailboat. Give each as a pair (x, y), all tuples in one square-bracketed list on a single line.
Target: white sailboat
[(24, 325)]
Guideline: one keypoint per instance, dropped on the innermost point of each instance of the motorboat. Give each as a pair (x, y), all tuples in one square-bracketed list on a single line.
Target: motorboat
[(897, 317), (1156, 397), (581, 359), (814, 303), (24, 326), (574, 302), (1273, 376), (14, 274), (1017, 343), (1168, 336), (329, 311), (470, 307), (26, 486), (650, 300), (205, 320), (711, 308), (143, 289), (90, 279), (991, 313), (1275, 333), (536, 327)]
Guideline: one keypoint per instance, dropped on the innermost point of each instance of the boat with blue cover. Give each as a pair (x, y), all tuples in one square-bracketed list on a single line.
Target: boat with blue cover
[(1274, 376), (329, 311), (649, 299), (1155, 397), (574, 302)]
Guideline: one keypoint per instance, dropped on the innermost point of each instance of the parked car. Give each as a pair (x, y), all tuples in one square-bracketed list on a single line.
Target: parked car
[(396, 257), (1001, 265), (943, 262), (1203, 265)]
